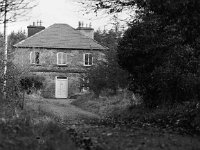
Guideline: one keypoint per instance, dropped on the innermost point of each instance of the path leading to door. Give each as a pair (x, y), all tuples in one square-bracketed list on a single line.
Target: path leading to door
[(61, 108)]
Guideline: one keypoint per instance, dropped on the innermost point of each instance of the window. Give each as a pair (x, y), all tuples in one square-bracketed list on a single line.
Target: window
[(84, 85), (88, 59), (61, 58), (34, 57)]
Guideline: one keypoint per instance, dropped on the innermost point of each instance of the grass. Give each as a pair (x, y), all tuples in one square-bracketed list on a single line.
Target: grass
[(29, 129), (118, 110), (126, 126), (105, 105)]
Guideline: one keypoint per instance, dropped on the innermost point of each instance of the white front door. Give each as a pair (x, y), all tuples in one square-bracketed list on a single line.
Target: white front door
[(61, 90)]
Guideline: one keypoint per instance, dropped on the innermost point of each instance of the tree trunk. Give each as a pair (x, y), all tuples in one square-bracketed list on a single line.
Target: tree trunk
[(5, 51)]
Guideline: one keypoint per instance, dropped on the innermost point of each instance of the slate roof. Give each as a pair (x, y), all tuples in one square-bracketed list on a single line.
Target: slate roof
[(60, 36)]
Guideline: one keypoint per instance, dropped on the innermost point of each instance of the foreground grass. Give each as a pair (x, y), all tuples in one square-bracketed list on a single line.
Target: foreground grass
[(29, 129), (103, 106), (183, 118), (38, 129), (133, 127)]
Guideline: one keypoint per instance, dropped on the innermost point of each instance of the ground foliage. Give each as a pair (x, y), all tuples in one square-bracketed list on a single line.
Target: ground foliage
[(29, 129), (136, 127), (103, 134), (180, 118)]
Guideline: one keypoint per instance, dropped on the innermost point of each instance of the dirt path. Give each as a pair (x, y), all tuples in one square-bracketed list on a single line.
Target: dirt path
[(100, 137), (62, 109)]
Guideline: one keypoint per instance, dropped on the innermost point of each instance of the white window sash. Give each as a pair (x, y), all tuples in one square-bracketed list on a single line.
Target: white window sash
[(32, 57), (87, 62), (61, 58)]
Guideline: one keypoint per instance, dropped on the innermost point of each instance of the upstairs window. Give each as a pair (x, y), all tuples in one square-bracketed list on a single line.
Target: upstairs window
[(34, 57), (61, 58), (88, 59)]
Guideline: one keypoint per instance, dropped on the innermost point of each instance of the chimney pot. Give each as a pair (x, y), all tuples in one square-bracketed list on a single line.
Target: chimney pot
[(40, 22), (32, 29), (79, 24), (87, 31)]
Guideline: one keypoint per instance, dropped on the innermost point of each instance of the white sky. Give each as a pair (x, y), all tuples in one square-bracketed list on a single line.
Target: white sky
[(59, 11)]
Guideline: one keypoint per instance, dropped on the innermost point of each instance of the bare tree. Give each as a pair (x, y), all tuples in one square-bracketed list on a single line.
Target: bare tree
[(108, 6), (122, 11), (10, 10), (13, 9)]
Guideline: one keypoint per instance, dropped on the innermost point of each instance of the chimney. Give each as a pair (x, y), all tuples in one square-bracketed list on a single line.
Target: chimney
[(33, 29), (87, 31)]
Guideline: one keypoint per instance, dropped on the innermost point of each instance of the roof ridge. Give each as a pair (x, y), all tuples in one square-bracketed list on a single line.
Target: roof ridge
[(83, 35), (60, 35)]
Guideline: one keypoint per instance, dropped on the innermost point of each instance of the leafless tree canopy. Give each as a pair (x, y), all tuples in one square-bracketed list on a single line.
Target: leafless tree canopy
[(15, 9), (109, 5)]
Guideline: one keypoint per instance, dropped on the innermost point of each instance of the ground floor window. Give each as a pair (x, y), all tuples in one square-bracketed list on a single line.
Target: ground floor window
[(84, 85)]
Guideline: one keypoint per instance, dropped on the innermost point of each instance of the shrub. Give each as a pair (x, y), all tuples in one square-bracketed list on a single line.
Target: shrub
[(104, 105), (12, 81), (105, 76), (183, 118), (27, 129), (31, 83)]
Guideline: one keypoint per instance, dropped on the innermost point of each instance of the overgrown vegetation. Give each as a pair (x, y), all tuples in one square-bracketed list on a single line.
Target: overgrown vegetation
[(183, 118), (106, 74), (106, 104), (13, 74), (17, 128), (119, 111), (32, 83), (160, 49), (29, 129)]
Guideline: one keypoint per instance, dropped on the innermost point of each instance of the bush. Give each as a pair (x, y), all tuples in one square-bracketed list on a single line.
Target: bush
[(27, 129), (32, 83), (182, 118), (105, 76), (104, 105)]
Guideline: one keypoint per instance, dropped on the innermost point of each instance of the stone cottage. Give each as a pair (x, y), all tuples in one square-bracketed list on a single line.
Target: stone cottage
[(59, 53)]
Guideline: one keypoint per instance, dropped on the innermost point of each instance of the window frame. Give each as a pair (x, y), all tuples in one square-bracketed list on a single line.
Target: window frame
[(85, 88), (62, 64), (33, 54), (88, 59)]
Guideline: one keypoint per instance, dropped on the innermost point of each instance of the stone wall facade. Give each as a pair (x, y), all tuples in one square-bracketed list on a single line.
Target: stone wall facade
[(49, 69), (49, 83)]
